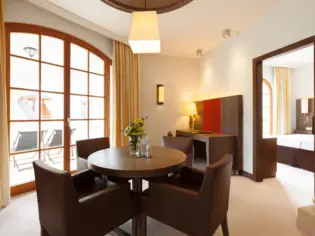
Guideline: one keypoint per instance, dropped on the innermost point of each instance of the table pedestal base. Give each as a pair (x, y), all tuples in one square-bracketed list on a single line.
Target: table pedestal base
[(139, 223)]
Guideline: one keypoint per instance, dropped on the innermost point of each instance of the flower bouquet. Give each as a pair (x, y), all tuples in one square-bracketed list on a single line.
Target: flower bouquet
[(134, 130)]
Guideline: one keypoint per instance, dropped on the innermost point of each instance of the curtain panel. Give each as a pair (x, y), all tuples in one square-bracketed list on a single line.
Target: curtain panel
[(126, 89), (283, 104), (4, 146)]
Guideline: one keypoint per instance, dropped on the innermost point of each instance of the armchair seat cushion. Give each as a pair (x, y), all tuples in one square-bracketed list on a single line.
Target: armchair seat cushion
[(88, 182), (82, 164), (88, 189), (182, 183)]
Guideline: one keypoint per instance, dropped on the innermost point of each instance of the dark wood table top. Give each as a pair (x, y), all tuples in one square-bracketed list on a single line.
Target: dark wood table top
[(118, 162)]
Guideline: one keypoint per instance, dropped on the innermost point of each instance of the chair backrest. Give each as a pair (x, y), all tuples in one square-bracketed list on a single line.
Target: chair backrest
[(56, 197), (180, 143), (89, 146), (215, 190)]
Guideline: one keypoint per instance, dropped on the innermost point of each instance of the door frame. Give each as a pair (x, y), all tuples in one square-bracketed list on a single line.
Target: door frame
[(68, 39), (259, 166)]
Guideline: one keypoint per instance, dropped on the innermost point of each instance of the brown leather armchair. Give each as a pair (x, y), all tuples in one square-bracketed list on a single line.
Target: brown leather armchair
[(182, 144), (86, 148), (78, 205), (195, 202)]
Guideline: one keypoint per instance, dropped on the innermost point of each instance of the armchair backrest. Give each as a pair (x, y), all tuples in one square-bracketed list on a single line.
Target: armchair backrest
[(215, 190), (56, 197), (183, 144), (180, 143), (89, 146)]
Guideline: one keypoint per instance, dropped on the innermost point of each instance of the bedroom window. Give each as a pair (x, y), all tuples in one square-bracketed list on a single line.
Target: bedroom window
[(267, 108)]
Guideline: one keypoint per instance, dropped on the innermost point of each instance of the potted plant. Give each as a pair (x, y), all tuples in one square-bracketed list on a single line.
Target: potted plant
[(134, 131)]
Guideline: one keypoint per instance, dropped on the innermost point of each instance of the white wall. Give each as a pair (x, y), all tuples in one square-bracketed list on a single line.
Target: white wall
[(22, 11), (302, 85), (227, 69), (180, 77)]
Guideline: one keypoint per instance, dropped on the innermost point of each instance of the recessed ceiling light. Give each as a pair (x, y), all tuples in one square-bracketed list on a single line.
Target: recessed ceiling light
[(226, 33), (199, 52)]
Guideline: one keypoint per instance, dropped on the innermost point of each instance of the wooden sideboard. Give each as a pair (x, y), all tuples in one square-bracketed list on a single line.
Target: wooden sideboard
[(215, 145)]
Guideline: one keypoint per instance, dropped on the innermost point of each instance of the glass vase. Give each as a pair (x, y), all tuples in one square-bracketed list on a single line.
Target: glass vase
[(143, 143), (133, 144)]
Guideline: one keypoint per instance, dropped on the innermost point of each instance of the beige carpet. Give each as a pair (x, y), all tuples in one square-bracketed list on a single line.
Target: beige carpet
[(256, 209)]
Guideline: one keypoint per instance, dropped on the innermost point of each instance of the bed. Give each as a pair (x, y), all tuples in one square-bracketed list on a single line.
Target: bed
[(296, 150)]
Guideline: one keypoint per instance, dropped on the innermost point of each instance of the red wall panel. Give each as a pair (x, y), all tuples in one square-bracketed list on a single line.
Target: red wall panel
[(212, 115)]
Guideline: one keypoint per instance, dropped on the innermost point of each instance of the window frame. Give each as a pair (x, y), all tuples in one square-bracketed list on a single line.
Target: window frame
[(267, 83), (67, 39)]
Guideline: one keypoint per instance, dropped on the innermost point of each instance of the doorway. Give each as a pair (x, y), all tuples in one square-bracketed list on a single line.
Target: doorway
[(277, 107), (58, 93)]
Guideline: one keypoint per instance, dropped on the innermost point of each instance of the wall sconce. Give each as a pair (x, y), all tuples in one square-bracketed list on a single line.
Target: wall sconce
[(160, 94), (192, 113)]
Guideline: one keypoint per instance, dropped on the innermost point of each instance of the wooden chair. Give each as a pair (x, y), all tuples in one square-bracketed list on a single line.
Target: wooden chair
[(195, 202)]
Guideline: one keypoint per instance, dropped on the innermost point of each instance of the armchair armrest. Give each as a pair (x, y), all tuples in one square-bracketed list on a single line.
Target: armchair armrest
[(192, 174)]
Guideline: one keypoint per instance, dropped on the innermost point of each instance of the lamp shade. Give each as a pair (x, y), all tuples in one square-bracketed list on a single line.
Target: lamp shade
[(144, 36), (192, 109)]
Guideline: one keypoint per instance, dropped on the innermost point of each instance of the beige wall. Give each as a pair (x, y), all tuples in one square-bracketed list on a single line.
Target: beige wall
[(228, 68), (180, 77), (22, 11)]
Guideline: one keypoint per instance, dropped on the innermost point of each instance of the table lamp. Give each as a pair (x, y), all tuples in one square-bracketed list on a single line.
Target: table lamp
[(192, 112)]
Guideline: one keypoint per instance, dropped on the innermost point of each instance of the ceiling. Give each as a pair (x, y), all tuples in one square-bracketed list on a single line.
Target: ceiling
[(292, 59), (199, 24)]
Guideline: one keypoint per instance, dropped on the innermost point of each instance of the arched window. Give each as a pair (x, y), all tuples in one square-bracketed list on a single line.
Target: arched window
[(58, 93), (267, 109)]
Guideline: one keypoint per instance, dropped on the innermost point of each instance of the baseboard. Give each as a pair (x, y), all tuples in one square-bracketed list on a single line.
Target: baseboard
[(248, 175), (23, 188)]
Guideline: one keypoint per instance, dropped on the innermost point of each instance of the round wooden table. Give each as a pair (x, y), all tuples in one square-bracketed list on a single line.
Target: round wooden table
[(119, 163)]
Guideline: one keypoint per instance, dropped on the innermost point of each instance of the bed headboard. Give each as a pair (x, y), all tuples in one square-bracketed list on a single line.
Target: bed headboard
[(222, 115), (304, 120)]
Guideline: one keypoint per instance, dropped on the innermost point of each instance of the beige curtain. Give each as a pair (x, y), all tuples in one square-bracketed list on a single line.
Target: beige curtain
[(283, 113), (4, 148), (126, 86)]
